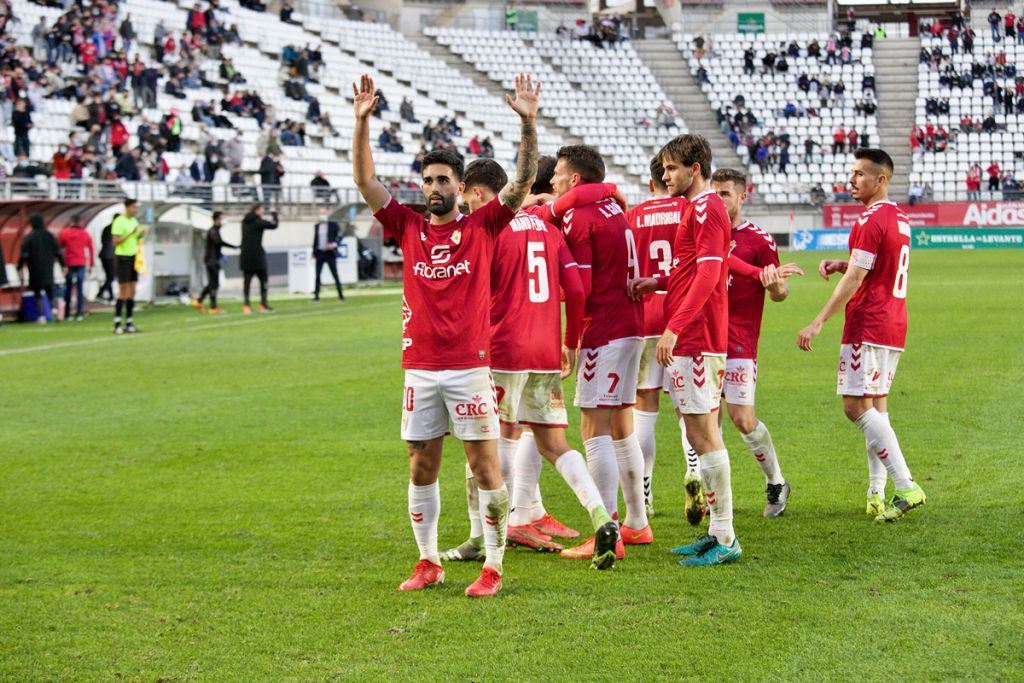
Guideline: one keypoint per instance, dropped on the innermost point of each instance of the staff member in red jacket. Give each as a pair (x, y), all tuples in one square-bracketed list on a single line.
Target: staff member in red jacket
[(76, 243)]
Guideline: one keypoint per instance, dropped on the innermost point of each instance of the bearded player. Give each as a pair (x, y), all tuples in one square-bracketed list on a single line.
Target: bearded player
[(694, 343), (531, 265), (610, 346), (446, 329), (873, 290), (756, 247)]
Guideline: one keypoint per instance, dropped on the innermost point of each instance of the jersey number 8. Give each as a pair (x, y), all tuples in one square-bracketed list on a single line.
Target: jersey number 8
[(899, 288)]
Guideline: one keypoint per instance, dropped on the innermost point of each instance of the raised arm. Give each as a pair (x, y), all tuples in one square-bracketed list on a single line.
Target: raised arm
[(363, 103), (525, 104)]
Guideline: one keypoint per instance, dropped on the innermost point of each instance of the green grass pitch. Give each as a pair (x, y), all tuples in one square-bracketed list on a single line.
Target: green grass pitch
[(225, 499)]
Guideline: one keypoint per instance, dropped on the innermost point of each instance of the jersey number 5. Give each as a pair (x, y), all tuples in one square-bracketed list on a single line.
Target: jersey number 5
[(538, 273), (899, 288)]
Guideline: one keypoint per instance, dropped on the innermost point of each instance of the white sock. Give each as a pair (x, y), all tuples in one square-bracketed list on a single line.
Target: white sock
[(644, 423), (877, 474), (882, 440), (604, 470), (631, 477), (494, 511), (537, 509), (574, 470), (692, 461), (760, 444), (473, 504), (527, 471), (717, 478), (507, 459), (424, 509)]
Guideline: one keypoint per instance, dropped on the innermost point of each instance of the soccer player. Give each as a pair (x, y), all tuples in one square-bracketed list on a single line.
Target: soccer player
[(873, 290), (756, 247), (694, 343), (610, 345), (446, 328), (531, 264), (126, 233), (212, 259), (654, 225)]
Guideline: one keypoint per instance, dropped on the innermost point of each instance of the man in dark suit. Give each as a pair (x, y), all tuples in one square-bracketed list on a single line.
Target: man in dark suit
[(271, 171), (253, 259), (325, 249), (39, 250)]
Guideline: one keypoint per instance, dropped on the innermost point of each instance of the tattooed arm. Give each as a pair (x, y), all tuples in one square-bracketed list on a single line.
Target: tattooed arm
[(525, 104)]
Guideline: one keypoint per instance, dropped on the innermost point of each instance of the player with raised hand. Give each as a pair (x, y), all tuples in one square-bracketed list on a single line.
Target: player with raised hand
[(446, 328), (873, 291), (694, 343), (609, 347), (531, 265), (755, 247), (654, 224)]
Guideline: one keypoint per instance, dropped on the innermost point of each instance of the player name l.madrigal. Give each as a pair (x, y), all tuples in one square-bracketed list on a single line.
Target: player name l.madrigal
[(660, 218), (441, 272)]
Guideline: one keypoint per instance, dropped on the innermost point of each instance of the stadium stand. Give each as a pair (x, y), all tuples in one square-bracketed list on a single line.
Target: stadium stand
[(968, 138), (775, 93), (605, 95)]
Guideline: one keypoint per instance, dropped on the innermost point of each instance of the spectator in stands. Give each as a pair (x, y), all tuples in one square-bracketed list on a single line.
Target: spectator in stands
[(768, 62), (748, 62), (831, 48), (803, 82), (840, 191), (782, 66), (793, 50), (702, 75), (473, 147), (993, 176), (851, 140), (814, 49), (868, 85), (994, 21), (839, 140), (39, 251), (1018, 30), (783, 157), (286, 13), (23, 168), (1010, 22), (201, 170), (21, 121), (839, 90), (988, 124), (974, 182), (229, 73), (406, 111), (322, 190), (817, 195), (271, 172), (915, 193), (809, 147), (127, 166), (967, 40), (665, 116), (698, 47)]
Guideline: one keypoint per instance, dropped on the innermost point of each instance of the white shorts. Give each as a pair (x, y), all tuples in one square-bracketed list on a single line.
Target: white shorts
[(652, 376), (606, 376), (740, 381), (433, 397), (866, 370), (530, 398), (695, 383)]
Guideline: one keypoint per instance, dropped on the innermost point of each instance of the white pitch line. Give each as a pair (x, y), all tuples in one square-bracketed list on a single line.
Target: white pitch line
[(214, 326)]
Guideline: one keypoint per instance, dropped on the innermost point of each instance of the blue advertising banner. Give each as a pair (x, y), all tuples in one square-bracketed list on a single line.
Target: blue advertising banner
[(922, 238)]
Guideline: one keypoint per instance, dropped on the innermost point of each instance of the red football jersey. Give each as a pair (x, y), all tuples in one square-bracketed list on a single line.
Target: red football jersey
[(746, 295), (526, 311), (600, 239), (446, 273), (654, 224), (703, 235), (880, 242)]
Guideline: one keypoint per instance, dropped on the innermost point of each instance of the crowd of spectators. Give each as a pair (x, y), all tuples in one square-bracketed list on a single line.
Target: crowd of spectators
[(601, 31)]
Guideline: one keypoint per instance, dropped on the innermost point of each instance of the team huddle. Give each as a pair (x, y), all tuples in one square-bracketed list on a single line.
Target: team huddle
[(665, 297)]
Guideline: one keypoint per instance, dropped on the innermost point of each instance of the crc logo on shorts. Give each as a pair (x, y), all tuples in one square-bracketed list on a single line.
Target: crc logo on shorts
[(476, 408), (737, 376)]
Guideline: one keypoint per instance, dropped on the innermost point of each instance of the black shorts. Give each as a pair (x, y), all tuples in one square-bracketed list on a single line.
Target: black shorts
[(126, 269)]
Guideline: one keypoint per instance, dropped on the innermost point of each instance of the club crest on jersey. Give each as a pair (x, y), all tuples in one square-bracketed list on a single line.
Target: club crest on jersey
[(457, 237)]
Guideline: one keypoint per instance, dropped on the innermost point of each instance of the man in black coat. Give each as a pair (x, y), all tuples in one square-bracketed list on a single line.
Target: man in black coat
[(212, 259), (325, 249), (253, 259), (39, 250), (107, 260), (271, 171)]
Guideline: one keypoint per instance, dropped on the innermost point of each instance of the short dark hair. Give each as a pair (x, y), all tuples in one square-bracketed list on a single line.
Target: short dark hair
[(218, 214), (585, 160), (130, 202), (452, 160), (689, 149), (545, 171), (876, 156), (733, 175), (658, 172), (486, 172)]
